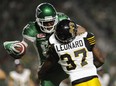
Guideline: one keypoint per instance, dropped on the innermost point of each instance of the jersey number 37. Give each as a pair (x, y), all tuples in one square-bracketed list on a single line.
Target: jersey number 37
[(70, 62)]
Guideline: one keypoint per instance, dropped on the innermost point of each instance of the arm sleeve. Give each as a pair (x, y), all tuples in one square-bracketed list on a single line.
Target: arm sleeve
[(29, 33), (62, 16), (51, 60), (52, 55), (99, 58), (90, 41)]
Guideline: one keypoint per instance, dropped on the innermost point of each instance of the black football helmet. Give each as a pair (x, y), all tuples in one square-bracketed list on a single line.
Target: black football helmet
[(65, 31)]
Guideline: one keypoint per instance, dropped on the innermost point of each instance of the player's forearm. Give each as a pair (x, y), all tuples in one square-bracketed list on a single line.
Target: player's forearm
[(80, 30), (15, 48), (97, 63), (25, 43), (44, 69), (98, 55)]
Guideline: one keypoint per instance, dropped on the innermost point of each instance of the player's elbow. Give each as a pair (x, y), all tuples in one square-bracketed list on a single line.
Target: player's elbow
[(102, 58), (98, 64), (99, 61)]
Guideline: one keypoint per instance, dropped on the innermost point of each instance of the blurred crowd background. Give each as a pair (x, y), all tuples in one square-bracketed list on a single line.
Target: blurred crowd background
[(97, 16)]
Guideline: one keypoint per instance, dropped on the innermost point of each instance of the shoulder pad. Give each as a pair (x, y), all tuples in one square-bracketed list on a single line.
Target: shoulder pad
[(62, 16), (91, 38), (30, 30)]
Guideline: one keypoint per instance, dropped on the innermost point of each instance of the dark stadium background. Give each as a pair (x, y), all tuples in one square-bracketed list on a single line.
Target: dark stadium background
[(97, 16)]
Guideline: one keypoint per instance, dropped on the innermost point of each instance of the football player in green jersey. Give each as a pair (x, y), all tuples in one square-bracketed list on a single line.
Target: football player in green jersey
[(38, 32)]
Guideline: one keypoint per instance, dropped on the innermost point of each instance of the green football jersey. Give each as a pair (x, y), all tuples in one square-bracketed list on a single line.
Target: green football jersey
[(33, 33)]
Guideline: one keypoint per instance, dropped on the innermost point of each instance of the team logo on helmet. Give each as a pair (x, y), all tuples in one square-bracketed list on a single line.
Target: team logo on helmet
[(72, 27), (38, 11)]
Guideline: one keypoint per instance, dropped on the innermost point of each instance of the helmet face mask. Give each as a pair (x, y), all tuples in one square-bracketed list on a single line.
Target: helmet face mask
[(46, 17), (47, 26), (65, 31)]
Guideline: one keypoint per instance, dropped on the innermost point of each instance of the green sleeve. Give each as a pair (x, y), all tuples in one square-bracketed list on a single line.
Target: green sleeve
[(30, 31), (62, 16)]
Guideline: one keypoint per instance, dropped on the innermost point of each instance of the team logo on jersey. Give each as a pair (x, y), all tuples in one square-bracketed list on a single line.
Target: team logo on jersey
[(41, 35)]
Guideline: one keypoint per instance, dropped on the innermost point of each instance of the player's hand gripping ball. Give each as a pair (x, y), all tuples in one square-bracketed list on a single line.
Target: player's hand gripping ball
[(18, 50)]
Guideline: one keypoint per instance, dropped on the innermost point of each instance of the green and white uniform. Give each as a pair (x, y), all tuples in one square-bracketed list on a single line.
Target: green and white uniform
[(39, 32), (33, 33)]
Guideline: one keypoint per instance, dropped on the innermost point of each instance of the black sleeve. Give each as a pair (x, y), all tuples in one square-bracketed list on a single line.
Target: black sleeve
[(52, 59), (90, 41), (52, 54)]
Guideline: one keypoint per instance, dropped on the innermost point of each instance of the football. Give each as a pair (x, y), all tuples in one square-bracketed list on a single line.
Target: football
[(19, 50)]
